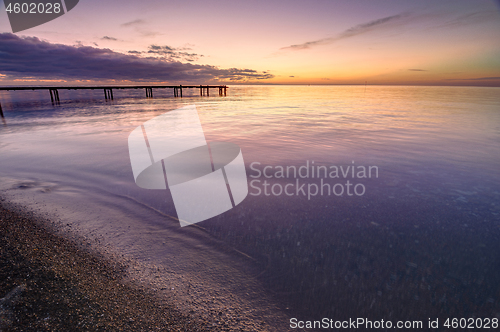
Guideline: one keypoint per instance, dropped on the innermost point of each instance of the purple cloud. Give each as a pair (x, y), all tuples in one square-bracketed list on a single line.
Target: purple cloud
[(173, 53), (351, 32), (32, 57)]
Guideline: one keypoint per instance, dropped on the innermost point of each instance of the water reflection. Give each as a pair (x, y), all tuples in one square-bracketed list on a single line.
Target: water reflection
[(422, 240)]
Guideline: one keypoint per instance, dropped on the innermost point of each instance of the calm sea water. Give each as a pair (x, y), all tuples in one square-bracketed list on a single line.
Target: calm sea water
[(419, 239)]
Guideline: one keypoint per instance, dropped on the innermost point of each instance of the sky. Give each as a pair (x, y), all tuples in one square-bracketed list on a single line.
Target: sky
[(259, 42)]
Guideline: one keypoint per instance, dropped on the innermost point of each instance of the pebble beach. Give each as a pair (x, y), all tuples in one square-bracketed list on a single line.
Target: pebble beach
[(48, 283)]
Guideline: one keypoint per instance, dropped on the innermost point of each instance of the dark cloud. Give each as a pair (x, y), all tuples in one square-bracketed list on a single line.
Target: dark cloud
[(351, 32), (173, 53), (417, 69), (291, 76), (32, 57), (134, 22), (109, 38)]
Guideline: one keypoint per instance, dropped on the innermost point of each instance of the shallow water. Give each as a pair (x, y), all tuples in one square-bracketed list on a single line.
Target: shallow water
[(421, 241)]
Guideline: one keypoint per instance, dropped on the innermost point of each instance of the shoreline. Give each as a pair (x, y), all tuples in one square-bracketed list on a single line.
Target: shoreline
[(48, 283)]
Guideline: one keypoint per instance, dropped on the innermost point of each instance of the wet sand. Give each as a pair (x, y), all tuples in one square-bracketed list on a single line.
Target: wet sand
[(48, 283)]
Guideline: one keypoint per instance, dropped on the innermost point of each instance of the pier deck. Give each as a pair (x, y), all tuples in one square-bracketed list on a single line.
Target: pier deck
[(108, 90)]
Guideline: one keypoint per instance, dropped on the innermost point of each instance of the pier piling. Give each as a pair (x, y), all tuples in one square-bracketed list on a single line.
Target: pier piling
[(178, 91), (54, 96), (108, 94)]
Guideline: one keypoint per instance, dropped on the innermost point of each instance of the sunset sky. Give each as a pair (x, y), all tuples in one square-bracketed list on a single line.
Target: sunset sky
[(267, 42)]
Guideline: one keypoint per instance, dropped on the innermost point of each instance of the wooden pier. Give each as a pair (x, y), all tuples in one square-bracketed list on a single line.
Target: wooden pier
[(108, 90)]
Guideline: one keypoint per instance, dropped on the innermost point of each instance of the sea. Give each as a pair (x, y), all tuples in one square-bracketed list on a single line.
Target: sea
[(364, 202)]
